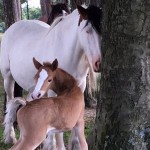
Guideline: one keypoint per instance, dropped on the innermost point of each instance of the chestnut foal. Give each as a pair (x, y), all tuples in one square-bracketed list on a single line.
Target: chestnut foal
[(53, 114)]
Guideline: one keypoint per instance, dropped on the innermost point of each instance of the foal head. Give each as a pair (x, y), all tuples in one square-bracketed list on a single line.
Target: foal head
[(44, 77)]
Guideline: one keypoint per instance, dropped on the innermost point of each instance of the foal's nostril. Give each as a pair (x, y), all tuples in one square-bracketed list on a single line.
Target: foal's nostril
[(39, 94)]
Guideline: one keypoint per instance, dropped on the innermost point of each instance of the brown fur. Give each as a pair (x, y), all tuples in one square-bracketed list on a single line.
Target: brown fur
[(63, 113)]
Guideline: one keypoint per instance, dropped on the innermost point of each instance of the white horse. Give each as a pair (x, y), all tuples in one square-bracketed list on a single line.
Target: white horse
[(74, 41)]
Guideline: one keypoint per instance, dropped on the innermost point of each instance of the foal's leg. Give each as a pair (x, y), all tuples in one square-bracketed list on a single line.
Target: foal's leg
[(79, 129), (30, 141), (79, 133), (73, 141)]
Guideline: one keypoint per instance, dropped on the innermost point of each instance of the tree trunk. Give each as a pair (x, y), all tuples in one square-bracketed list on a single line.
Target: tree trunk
[(95, 3), (12, 13), (123, 110), (78, 2), (45, 7)]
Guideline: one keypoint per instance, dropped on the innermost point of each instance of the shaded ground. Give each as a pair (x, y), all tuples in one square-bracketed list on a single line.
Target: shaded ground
[(90, 114)]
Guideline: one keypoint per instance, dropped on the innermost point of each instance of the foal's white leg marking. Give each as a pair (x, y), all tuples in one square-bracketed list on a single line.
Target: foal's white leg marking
[(42, 76)]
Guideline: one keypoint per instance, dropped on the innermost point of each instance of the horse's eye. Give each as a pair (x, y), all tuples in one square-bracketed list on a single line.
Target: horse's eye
[(89, 30), (49, 80)]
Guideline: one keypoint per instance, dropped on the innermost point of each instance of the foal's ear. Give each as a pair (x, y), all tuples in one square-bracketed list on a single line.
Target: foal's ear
[(54, 64), (83, 12), (36, 64)]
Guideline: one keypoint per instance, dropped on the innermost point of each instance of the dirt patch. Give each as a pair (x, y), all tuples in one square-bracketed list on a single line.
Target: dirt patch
[(90, 114)]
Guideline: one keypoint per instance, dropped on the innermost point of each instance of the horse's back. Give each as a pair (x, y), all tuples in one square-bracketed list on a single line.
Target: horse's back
[(22, 34), (30, 28)]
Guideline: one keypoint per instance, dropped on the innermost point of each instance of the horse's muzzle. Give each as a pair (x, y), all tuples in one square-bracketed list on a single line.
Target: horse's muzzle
[(97, 66)]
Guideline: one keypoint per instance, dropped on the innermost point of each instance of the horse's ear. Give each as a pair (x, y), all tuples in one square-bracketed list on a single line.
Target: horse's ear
[(55, 64), (83, 12), (36, 64)]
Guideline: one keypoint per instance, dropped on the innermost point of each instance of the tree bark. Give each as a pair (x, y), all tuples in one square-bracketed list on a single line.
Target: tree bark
[(78, 2), (123, 110), (95, 3), (45, 7), (12, 11)]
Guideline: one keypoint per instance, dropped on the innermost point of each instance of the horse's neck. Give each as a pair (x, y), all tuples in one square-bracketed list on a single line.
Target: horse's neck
[(70, 48), (63, 82)]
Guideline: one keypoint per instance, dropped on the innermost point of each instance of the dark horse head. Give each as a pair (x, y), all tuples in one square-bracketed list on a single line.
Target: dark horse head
[(57, 10)]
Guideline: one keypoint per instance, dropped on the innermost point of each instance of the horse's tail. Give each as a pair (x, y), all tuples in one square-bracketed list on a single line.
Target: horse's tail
[(10, 117), (91, 80)]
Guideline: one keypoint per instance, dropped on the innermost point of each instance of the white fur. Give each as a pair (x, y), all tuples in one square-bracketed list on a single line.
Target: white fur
[(10, 118), (42, 76), (66, 41)]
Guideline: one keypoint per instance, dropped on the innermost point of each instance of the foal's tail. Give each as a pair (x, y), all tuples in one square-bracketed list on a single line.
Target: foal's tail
[(10, 117)]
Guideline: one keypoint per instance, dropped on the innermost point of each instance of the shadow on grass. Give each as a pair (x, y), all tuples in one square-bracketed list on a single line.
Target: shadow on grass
[(3, 146)]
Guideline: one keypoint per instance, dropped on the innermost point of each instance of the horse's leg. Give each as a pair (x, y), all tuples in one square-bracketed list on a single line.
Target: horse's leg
[(9, 89), (73, 141), (78, 141), (79, 129), (60, 142), (49, 143), (9, 86)]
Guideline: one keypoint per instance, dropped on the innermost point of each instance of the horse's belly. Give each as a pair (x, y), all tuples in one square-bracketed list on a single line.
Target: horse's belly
[(22, 70)]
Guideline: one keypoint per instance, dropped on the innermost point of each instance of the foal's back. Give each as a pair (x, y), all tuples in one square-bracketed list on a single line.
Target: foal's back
[(62, 111)]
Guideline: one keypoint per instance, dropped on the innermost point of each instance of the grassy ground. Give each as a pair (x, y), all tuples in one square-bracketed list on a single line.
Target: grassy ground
[(6, 147)]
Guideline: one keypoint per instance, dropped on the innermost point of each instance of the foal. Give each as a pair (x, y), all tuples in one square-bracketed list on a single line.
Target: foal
[(53, 114)]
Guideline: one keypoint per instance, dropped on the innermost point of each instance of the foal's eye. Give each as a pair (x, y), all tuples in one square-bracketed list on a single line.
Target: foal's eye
[(49, 80)]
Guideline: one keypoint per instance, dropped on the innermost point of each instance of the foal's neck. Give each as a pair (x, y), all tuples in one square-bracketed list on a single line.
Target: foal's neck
[(63, 82)]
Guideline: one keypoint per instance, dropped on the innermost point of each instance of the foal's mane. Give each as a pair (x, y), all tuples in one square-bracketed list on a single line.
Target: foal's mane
[(62, 77)]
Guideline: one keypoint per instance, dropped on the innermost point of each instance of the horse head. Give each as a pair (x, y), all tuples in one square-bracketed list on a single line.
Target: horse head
[(90, 34), (44, 77)]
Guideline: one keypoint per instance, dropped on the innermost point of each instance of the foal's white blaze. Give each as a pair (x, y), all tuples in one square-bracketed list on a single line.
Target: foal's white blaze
[(37, 93)]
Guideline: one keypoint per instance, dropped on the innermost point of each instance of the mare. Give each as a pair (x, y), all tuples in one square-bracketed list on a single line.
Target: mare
[(73, 39), (60, 9), (53, 114)]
